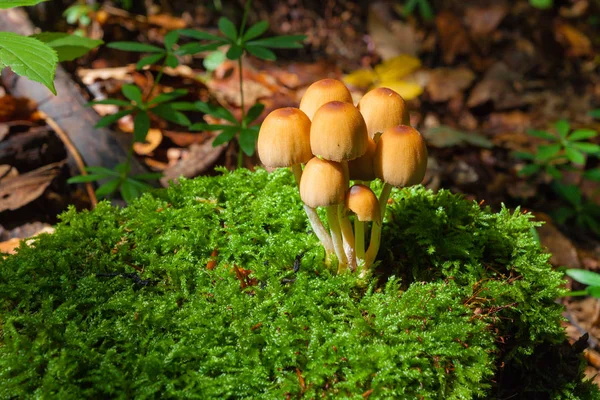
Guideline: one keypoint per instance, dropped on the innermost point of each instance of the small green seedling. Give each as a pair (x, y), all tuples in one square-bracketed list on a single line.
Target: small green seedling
[(592, 279), (423, 6)]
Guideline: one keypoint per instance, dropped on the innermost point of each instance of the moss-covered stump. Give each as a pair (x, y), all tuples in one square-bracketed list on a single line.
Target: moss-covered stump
[(134, 302)]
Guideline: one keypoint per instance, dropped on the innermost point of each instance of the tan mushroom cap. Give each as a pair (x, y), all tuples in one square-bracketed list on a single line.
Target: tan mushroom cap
[(322, 92), (362, 201), (383, 108), (338, 132), (323, 183), (361, 168), (401, 156), (284, 138)]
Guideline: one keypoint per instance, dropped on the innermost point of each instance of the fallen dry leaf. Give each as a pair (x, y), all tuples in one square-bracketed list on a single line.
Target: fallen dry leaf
[(453, 36), (484, 20), (575, 41), (10, 246), (562, 249), (390, 37), (153, 139), (498, 86), (167, 21), (20, 190), (445, 83)]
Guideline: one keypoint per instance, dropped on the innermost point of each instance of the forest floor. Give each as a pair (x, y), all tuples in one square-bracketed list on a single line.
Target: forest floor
[(486, 84)]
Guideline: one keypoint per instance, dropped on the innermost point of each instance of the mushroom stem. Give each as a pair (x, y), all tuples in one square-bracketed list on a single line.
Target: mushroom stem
[(359, 240), (376, 228), (336, 236), (313, 217), (348, 236)]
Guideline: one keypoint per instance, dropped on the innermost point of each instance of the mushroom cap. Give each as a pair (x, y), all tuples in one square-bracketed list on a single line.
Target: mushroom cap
[(284, 138), (322, 92), (323, 183), (383, 108), (401, 156), (361, 168), (361, 200), (338, 132)]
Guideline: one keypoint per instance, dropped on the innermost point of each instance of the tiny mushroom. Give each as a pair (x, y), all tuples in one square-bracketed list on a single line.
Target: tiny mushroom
[(383, 108), (361, 200), (284, 141), (324, 184), (322, 92), (401, 161)]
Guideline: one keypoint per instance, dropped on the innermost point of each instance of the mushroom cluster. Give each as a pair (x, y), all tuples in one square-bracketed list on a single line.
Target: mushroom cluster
[(340, 144)]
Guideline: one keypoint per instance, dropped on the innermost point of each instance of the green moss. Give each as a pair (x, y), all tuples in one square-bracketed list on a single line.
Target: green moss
[(120, 303)]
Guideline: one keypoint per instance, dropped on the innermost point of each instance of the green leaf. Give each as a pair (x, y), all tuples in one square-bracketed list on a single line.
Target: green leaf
[(68, 47), (101, 171), (553, 172), (594, 291), (227, 134), (247, 140), (280, 42), (529, 169), (254, 112), (542, 4), (590, 148), (582, 134), (425, 10), (584, 276), (595, 113), (570, 193), (183, 106), (115, 102), (213, 60), (202, 126), (85, 178), (108, 188), (216, 111), (150, 176), (109, 119), (575, 156), (171, 61), (171, 39), (129, 191), (256, 30), (541, 134), (29, 57), (563, 214), (228, 28), (261, 52), (164, 97), (591, 223), (562, 127), (133, 93), (19, 3), (523, 155), (546, 152), (201, 35), (165, 111), (409, 7), (149, 60), (194, 48), (135, 46), (593, 174), (234, 52), (141, 126)]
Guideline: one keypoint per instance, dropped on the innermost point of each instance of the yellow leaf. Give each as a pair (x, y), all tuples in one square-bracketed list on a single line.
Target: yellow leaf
[(396, 68), (361, 78), (408, 90)]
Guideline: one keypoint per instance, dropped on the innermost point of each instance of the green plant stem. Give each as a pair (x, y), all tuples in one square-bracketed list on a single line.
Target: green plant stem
[(156, 81), (578, 293), (313, 217), (347, 236), (336, 236)]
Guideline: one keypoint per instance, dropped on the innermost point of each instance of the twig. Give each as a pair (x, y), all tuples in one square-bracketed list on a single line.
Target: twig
[(74, 153)]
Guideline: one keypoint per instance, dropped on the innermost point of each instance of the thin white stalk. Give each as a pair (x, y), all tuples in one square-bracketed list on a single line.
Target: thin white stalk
[(348, 237), (376, 228), (359, 240), (336, 236), (313, 217)]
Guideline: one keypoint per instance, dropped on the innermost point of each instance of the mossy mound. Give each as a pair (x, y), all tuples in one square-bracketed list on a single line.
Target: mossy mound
[(121, 303)]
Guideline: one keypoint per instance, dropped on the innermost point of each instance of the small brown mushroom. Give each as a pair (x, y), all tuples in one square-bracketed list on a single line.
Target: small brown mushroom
[(383, 108), (322, 92)]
